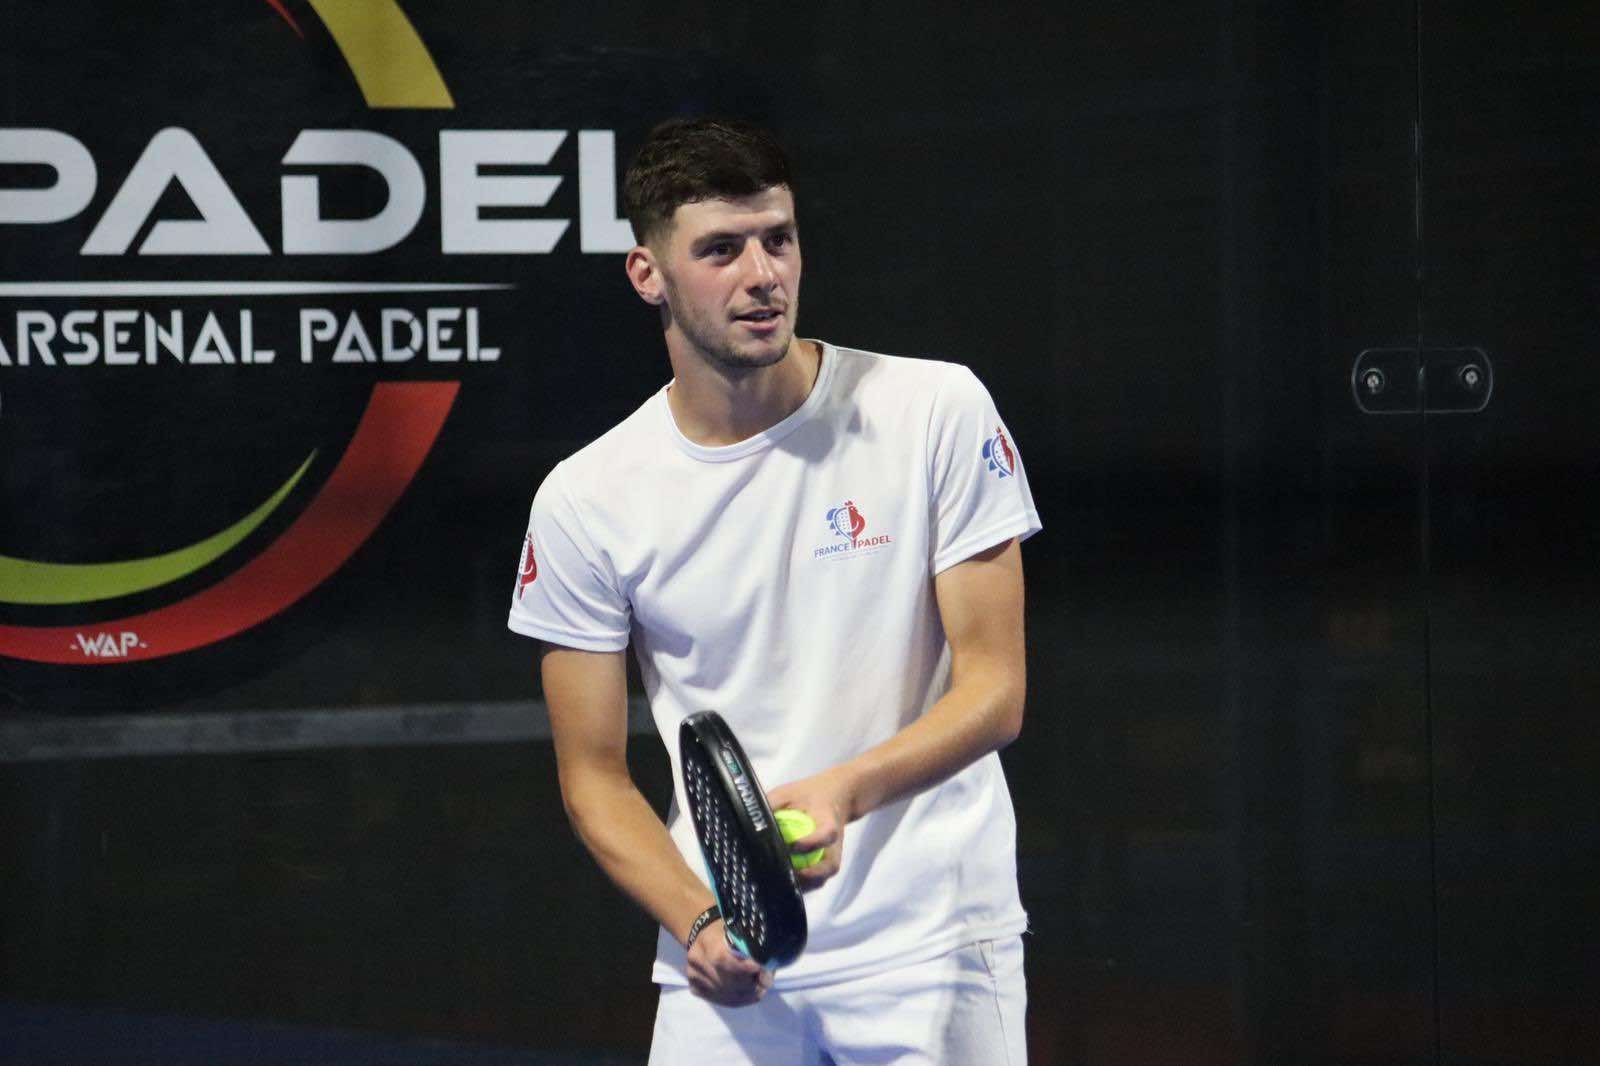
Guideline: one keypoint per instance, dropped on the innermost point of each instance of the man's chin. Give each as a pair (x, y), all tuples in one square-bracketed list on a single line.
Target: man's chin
[(753, 357)]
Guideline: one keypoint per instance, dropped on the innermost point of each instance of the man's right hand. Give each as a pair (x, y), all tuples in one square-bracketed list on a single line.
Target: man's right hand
[(721, 975)]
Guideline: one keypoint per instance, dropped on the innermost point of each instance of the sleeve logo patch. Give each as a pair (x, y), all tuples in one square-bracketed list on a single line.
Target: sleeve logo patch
[(998, 454), (529, 568)]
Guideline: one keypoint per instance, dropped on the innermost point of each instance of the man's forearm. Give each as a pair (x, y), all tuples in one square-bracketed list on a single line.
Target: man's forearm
[(980, 714), (632, 846), (980, 605)]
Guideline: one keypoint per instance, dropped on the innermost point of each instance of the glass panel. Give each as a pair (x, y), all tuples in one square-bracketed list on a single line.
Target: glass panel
[(1225, 826), (1511, 102)]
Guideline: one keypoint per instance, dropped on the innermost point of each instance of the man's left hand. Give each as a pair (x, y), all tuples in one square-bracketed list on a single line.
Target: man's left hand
[(822, 798)]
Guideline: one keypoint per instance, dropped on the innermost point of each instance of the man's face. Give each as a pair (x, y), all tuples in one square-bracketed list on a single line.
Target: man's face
[(730, 272)]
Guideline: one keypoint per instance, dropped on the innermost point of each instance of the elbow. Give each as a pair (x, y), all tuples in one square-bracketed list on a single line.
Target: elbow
[(1008, 717), (579, 800), (585, 820), (573, 805)]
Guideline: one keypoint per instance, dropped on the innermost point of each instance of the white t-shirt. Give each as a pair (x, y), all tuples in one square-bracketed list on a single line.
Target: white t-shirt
[(787, 582)]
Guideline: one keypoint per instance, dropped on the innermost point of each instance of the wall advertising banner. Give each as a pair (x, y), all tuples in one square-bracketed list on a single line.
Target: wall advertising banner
[(297, 305)]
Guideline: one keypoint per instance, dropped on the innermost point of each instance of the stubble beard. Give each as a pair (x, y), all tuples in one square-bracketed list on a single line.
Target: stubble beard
[(730, 359), (714, 347)]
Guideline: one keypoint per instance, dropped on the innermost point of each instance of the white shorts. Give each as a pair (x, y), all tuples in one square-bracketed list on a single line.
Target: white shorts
[(963, 1007)]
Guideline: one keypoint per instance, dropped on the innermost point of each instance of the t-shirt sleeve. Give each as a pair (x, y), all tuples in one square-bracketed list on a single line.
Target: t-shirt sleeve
[(980, 489), (565, 593)]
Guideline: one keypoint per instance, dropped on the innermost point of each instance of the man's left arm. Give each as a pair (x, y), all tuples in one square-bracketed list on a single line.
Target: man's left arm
[(980, 604)]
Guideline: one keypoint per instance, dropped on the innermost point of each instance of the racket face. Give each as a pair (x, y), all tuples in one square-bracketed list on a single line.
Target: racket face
[(745, 854)]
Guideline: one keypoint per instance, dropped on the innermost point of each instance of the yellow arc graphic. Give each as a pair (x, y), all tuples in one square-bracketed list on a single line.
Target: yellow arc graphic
[(391, 64), (34, 582)]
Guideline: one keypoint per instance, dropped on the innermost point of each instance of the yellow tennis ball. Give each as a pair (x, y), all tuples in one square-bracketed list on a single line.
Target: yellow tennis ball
[(793, 825)]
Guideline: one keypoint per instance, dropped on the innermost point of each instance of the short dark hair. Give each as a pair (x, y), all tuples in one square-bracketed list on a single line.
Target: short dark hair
[(686, 160)]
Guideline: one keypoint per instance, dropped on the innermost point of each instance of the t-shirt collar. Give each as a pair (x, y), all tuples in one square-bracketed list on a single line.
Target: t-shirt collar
[(768, 437)]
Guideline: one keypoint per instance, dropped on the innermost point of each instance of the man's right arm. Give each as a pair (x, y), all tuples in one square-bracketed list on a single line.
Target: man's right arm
[(587, 694)]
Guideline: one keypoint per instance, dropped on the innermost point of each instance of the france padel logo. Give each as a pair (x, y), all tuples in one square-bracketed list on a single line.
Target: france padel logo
[(998, 455), (528, 570), (217, 330), (848, 523)]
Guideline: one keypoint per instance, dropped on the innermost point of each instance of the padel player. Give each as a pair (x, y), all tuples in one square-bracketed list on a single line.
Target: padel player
[(821, 544)]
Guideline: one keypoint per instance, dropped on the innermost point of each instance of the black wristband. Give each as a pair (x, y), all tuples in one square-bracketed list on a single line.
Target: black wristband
[(707, 916)]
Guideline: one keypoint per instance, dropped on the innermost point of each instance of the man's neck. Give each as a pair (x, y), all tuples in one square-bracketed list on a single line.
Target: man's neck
[(714, 407)]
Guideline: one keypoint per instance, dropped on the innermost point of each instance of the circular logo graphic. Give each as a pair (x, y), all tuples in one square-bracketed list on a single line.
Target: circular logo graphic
[(400, 424), (997, 451), (846, 521)]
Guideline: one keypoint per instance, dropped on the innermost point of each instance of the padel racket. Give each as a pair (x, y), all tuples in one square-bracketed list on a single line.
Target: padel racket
[(746, 856)]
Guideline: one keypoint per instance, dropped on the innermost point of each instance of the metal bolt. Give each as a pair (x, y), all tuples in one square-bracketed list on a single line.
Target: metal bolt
[(1374, 381), (1471, 377)]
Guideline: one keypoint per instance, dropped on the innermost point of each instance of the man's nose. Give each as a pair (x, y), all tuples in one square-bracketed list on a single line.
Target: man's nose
[(760, 270)]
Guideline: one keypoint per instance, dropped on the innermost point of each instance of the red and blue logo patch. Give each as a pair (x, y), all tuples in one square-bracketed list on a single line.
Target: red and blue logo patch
[(846, 521), (1000, 456), (528, 570)]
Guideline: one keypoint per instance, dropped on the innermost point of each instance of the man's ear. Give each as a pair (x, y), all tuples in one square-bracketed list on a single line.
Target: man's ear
[(645, 277)]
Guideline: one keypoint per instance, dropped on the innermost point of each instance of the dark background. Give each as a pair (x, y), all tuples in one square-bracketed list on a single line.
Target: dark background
[(1310, 767)]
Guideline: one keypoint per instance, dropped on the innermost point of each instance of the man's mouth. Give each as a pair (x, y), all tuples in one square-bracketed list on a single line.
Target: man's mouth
[(765, 314)]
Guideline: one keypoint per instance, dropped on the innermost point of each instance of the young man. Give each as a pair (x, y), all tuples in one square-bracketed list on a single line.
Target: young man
[(821, 544)]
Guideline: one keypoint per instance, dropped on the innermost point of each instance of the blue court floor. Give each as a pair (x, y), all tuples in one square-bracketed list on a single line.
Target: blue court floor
[(53, 1035)]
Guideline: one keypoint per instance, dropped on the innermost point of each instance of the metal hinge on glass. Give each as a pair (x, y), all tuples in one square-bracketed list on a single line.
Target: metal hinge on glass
[(1388, 381)]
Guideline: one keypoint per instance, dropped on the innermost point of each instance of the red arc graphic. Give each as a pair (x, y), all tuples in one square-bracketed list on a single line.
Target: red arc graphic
[(401, 422), (277, 6)]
